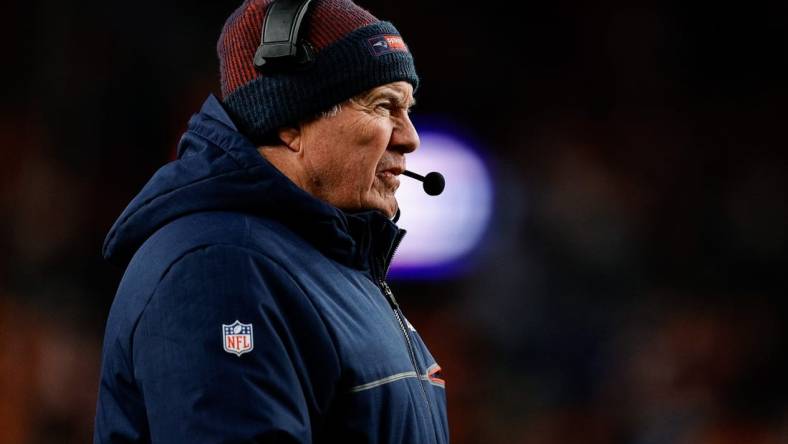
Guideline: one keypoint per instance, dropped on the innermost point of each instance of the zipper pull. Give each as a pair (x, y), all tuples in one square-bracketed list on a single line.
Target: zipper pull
[(389, 295)]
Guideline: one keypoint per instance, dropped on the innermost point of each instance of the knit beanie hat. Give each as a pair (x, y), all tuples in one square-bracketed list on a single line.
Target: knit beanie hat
[(354, 52)]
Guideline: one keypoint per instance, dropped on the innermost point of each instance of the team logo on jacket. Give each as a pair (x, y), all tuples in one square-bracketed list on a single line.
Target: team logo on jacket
[(238, 338)]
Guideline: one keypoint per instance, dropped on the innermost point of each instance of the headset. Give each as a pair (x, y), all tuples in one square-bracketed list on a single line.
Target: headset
[(281, 48), (280, 43)]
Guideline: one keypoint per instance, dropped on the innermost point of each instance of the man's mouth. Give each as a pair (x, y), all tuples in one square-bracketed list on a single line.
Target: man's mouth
[(389, 177), (395, 170)]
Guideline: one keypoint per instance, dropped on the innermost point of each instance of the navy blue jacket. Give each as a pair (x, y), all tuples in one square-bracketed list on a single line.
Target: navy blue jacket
[(251, 311)]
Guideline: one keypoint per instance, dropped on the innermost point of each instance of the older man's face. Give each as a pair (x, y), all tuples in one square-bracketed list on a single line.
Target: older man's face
[(352, 159)]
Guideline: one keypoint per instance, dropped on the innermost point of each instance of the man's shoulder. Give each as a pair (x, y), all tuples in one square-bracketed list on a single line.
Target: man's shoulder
[(230, 229), (211, 237)]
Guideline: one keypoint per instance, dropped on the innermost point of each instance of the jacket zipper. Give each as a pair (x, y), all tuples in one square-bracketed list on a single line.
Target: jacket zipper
[(397, 313), (394, 306)]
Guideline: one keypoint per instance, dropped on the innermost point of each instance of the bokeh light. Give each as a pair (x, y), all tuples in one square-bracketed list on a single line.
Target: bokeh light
[(444, 230)]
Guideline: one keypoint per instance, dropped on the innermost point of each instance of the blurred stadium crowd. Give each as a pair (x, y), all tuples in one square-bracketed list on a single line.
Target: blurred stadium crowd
[(631, 288)]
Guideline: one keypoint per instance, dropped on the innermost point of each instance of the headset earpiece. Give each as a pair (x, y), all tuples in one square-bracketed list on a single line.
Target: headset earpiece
[(279, 39)]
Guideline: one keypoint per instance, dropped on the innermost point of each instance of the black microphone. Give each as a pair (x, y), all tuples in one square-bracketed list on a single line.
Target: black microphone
[(433, 183)]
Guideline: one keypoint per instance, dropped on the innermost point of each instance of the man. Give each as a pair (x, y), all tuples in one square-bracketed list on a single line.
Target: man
[(254, 306)]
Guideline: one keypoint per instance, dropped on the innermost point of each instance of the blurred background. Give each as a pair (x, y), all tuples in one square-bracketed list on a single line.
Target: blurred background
[(628, 285)]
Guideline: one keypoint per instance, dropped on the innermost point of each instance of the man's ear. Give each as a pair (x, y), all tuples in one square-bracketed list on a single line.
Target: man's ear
[(291, 138)]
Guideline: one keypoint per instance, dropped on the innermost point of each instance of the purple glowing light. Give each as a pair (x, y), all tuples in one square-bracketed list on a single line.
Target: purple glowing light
[(444, 230)]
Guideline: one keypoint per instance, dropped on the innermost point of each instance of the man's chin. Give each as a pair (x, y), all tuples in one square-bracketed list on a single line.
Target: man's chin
[(391, 209), (387, 208), (388, 212)]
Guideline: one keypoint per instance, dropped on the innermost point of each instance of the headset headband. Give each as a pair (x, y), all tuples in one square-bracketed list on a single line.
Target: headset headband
[(279, 39)]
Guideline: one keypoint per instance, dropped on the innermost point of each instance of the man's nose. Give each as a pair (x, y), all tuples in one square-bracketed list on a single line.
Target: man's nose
[(404, 138)]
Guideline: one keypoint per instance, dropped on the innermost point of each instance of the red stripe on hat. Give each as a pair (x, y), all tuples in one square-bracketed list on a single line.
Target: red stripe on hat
[(327, 22)]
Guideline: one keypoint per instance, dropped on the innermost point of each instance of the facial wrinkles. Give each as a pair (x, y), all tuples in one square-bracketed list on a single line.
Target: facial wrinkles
[(369, 142), (318, 178), (372, 141), (327, 177), (368, 131)]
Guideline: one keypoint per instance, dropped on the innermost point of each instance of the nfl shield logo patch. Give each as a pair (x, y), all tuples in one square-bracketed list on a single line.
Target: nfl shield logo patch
[(238, 338)]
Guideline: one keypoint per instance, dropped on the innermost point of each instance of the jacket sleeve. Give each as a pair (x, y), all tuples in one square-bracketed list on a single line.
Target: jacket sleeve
[(197, 392)]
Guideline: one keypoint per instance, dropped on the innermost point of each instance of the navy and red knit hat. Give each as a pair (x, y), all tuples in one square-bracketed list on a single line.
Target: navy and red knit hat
[(354, 53)]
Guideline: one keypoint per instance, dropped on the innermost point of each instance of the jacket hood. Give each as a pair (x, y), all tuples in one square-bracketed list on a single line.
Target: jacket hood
[(219, 169)]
